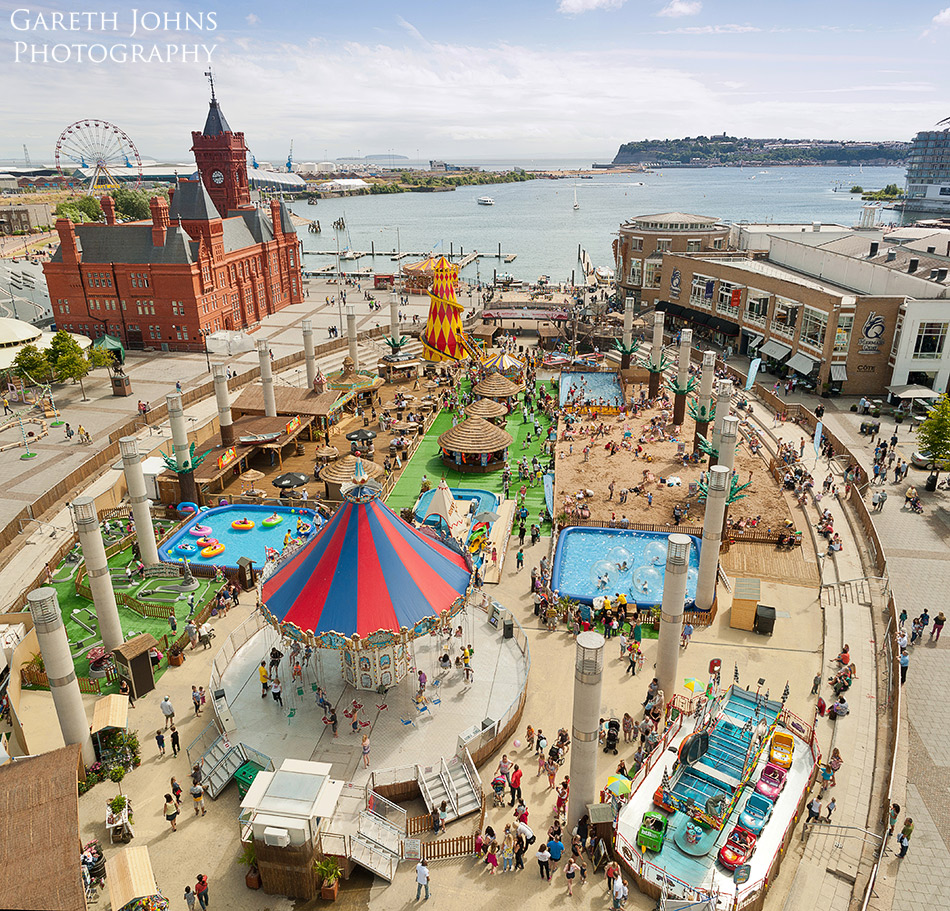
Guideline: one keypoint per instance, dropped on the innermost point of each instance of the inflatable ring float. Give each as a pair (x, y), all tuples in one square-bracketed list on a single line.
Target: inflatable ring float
[(213, 551), (185, 548), (200, 531), (271, 521), (186, 506), (206, 541), (304, 529), (242, 525)]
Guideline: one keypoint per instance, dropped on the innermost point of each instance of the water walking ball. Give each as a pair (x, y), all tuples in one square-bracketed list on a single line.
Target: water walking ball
[(517, 744)]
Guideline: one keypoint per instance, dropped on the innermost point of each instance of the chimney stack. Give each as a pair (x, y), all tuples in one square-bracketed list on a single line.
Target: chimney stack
[(912, 265), (108, 208), (875, 246), (68, 242), (159, 209), (275, 217)]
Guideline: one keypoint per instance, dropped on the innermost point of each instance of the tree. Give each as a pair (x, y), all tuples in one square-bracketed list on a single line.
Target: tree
[(81, 208), (61, 343), (933, 435), (72, 363), (32, 364), (134, 204)]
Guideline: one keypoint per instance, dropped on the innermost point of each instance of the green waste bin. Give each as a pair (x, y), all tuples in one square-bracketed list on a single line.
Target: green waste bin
[(245, 775)]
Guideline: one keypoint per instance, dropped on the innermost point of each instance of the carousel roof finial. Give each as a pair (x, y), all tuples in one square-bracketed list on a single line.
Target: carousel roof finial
[(362, 488)]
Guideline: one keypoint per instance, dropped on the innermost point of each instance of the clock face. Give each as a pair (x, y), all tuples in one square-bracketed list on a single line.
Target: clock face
[(217, 177)]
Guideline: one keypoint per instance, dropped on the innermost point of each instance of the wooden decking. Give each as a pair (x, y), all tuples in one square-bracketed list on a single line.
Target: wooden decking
[(762, 561)]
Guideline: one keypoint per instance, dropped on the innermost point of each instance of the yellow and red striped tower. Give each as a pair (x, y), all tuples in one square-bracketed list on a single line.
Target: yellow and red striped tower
[(444, 339)]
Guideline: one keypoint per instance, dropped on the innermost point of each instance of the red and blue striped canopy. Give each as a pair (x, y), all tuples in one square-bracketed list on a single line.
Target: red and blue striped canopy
[(365, 571)]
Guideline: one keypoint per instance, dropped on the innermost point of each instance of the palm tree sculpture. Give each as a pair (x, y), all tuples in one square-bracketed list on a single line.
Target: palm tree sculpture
[(626, 352)]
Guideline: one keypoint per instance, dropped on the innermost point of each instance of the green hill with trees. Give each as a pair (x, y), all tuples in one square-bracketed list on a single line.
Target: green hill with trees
[(729, 151)]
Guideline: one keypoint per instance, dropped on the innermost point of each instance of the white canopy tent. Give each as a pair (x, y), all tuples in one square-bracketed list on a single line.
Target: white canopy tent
[(445, 505)]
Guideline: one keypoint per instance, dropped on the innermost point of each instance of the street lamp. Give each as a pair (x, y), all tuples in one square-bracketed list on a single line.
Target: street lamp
[(204, 338)]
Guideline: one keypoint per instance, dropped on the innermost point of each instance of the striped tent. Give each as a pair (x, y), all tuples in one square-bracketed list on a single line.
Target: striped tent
[(367, 570)]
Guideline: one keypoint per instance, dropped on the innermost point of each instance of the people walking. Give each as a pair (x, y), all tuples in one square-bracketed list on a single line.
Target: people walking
[(275, 691), (171, 812), (422, 879), (197, 792), (365, 750), (904, 663), (168, 710), (544, 862), (201, 890), (160, 742)]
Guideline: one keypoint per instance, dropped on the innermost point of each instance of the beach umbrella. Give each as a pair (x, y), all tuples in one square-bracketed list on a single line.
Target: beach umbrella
[(252, 474), (694, 685), (485, 517), (289, 480), (363, 435), (618, 785)]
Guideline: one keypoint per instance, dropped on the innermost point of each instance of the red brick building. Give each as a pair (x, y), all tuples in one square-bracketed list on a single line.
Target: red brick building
[(209, 259)]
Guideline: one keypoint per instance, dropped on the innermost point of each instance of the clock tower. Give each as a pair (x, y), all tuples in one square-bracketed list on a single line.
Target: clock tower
[(221, 156)]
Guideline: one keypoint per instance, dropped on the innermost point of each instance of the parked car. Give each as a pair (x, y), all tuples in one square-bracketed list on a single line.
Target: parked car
[(771, 781), (739, 847), (756, 813)]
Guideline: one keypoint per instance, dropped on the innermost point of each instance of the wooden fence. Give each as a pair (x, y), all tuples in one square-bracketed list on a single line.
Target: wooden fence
[(444, 848), (31, 675), (418, 825)]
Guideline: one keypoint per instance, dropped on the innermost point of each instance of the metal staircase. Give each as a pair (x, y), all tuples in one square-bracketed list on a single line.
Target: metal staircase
[(455, 782), (377, 845), (223, 758)]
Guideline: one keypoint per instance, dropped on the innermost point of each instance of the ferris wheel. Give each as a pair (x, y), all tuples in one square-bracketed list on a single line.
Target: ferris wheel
[(105, 154)]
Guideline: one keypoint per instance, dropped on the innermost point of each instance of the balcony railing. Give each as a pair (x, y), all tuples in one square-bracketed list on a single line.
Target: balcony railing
[(754, 319), (782, 330)]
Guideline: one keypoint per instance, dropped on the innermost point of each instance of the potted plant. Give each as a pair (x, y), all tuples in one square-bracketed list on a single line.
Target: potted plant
[(116, 774), (176, 656), (248, 858), (118, 804), (328, 870)]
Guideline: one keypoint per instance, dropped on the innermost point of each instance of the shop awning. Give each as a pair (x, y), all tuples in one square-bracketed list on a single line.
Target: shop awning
[(724, 326), (775, 349), (755, 338), (129, 877), (839, 373), (801, 363)]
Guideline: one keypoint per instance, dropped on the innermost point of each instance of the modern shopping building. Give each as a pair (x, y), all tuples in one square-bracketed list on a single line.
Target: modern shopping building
[(927, 184), (851, 312), (208, 259), (642, 242)]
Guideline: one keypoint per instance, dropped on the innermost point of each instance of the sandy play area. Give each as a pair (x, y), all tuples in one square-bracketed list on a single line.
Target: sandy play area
[(658, 459)]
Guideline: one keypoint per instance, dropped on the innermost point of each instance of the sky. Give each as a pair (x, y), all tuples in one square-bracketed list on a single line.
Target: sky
[(471, 79)]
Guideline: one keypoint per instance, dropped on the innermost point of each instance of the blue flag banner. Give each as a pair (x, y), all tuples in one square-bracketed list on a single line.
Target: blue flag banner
[(818, 438), (753, 371)]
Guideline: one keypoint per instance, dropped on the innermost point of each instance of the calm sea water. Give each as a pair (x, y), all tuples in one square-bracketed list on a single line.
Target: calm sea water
[(536, 219)]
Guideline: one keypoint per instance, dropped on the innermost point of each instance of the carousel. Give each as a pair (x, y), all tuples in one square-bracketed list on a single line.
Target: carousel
[(498, 388), (475, 445), (506, 364), (367, 586)]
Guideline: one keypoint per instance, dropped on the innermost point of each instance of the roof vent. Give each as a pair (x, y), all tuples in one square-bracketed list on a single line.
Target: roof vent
[(931, 249), (891, 255), (875, 246), (941, 275), (912, 265), (933, 274)]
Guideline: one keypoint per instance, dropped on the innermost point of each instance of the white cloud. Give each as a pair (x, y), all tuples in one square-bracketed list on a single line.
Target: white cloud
[(251, 19), (942, 18), (678, 8), (576, 7), (728, 29)]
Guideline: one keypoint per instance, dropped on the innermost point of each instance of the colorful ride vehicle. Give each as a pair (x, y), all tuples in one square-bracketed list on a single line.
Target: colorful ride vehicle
[(242, 524), (200, 531), (757, 812), (213, 551), (783, 749), (771, 781), (186, 506), (272, 520), (303, 528), (206, 541), (739, 847), (185, 548), (652, 831)]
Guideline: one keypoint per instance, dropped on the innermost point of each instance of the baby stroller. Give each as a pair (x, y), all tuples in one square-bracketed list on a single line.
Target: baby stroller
[(613, 735), (916, 505), (498, 784)]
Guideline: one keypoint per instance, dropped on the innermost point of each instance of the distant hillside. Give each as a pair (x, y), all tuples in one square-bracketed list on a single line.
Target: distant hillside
[(719, 151)]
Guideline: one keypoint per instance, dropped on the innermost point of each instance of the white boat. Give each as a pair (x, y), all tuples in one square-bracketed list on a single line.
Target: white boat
[(576, 206), (604, 275), (485, 201)]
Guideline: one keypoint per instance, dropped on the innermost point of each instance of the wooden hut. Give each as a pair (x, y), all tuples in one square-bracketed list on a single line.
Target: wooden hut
[(488, 409), (498, 388), (475, 445), (335, 474)]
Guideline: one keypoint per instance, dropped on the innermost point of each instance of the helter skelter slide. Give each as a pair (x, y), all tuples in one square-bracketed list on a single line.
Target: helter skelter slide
[(444, 338)]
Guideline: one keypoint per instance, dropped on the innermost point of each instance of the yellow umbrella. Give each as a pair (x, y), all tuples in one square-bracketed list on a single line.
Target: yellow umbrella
[(618, 785), (694, 685)]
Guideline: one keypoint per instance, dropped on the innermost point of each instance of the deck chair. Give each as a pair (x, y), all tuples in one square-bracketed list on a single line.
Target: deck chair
[(408, 721)]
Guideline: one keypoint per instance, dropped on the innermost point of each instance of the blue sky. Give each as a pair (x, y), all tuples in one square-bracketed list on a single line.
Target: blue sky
[(490, 79)]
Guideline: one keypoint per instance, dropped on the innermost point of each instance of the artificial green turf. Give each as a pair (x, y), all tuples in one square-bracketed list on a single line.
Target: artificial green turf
[(427, 460)]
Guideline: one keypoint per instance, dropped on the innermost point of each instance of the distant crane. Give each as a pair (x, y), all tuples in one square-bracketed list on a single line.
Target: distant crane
[(290, 157), (26, 156)]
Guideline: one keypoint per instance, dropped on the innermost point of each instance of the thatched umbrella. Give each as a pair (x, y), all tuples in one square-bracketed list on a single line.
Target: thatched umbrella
[(474, 436), (341, 471), (327, 454), (251, 475), (486, 408), (496, 386)]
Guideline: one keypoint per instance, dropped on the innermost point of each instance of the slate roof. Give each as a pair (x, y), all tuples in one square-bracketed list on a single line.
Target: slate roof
[(286, 222), (257, 223), (191, 202), (216, 124), (129, 244)]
